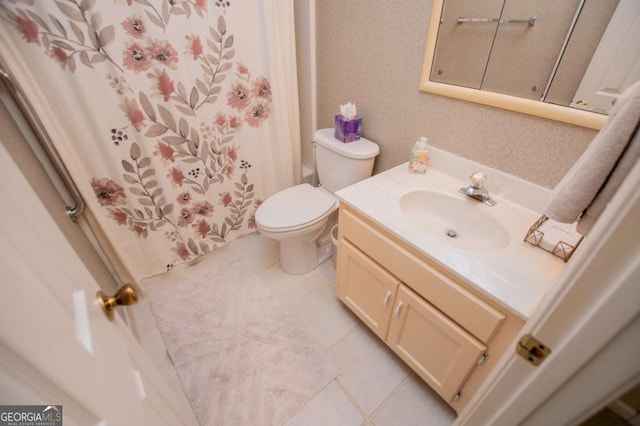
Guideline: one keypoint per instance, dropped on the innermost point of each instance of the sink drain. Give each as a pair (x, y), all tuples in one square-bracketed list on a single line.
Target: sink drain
[(451, 233)]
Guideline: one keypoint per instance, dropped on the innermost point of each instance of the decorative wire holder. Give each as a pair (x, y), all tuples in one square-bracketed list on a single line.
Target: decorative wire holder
[(535, 237)]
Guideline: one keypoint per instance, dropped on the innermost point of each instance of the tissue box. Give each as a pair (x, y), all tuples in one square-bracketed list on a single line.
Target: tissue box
[(348, 130)]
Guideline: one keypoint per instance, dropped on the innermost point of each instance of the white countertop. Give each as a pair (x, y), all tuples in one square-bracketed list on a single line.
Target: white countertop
[(516, 276)]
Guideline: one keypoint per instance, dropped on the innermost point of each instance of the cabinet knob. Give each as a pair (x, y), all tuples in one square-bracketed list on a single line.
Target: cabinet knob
[(397, 312)]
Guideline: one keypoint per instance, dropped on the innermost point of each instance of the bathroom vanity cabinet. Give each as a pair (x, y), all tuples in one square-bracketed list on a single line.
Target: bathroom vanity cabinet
[(443, 327)]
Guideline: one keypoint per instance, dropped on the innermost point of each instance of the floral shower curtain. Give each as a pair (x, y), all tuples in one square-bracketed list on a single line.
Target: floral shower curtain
[(175, 117)]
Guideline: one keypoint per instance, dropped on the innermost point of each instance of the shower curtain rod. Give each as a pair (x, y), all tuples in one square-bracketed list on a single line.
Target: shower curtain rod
[(73, 200)]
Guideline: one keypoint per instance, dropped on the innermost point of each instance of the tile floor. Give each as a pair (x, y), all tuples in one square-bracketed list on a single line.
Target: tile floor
[(373, 386)]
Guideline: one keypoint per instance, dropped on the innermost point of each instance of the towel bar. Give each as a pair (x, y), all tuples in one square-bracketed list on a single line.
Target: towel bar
[(462, 20)]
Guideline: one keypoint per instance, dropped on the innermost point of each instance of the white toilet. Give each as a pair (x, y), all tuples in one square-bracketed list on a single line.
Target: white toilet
[(298, 215)]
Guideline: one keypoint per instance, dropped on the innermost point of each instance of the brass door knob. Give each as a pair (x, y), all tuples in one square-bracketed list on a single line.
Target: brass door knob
[(126, 295)]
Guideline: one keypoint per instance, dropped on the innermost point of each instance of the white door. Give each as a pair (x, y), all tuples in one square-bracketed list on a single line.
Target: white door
[(591, 322), (615, 65), (56, 345)]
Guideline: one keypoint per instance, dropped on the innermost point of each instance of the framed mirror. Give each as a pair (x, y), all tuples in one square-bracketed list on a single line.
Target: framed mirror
[(520, 55)]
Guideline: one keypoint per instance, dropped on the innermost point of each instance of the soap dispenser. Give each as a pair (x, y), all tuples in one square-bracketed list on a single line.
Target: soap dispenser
[(419, 159)]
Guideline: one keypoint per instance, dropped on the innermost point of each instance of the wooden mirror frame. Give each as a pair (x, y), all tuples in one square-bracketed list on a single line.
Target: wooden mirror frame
[(564, 114)]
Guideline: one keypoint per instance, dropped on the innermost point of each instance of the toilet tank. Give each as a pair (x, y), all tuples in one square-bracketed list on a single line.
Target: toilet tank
[(342, 164)]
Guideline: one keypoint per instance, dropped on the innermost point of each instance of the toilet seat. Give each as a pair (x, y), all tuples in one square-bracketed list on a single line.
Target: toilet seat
[(294, 208)]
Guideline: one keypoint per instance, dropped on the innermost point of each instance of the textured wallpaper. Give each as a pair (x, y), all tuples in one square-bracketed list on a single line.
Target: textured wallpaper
[(371, 52)]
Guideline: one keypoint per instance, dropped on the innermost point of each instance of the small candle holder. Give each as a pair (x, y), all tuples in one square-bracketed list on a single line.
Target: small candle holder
[(347, 130)]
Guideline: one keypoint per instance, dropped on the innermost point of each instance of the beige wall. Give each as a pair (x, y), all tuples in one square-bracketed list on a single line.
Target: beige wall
[(371, 52), (305, 60)]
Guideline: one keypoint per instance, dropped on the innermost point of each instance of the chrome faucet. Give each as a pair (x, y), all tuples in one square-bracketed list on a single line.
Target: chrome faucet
[(477, 190)]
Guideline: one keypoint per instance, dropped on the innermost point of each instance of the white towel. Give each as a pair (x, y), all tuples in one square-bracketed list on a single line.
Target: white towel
[(599, 172)]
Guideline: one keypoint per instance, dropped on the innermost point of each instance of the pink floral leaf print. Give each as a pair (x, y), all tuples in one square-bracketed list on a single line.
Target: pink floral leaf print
[(71, 64), (183, 140), (143, 185), (133, 113), (192, 246), (192, 147), (215, 235), (93, 37), (222, 25), (195, 136), (162, 52), (166, 11), (165, 85), (95, 21), (204, 247), (39, 20), (167, 117), (134, 151), (213, 66), (257, 113), (107, 35), (88, 4), (173, 140), (61, 44), (108, 192), (156, 130), (127, 166), (56, 23), (135, 57), (183, 127), (155, 18), (98, 58), (202, 87), (193, 98), (228, 42), (165, 152), (238, 206), (77, 32), (185, 110), (147, 107), (181, 250), (58, 43), (134, 27), (194, 46), (70, 11)]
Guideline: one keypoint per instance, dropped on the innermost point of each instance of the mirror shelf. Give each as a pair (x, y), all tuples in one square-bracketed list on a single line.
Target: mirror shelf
[(527, 106)]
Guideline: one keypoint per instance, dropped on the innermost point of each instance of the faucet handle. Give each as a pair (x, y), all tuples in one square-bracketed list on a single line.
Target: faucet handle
[(478, 179)]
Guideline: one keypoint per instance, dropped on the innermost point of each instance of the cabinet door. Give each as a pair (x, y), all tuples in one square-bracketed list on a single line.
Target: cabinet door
[(462, 50), (441, 352), (366, 288), (518, 45)]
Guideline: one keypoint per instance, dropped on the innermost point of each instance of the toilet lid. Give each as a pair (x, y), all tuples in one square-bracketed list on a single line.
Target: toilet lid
[(294, 207)]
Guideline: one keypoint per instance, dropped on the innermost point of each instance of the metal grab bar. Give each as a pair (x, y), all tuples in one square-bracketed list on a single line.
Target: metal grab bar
[(531, 21), (25, 107)]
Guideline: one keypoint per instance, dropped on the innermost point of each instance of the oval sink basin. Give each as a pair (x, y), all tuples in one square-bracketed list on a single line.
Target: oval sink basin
[(460, 222)]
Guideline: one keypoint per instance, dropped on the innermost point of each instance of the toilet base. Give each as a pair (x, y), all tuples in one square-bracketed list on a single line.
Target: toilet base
[(298, 257)]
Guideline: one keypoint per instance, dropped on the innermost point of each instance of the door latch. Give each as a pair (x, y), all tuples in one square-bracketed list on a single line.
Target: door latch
[(532, 350)]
